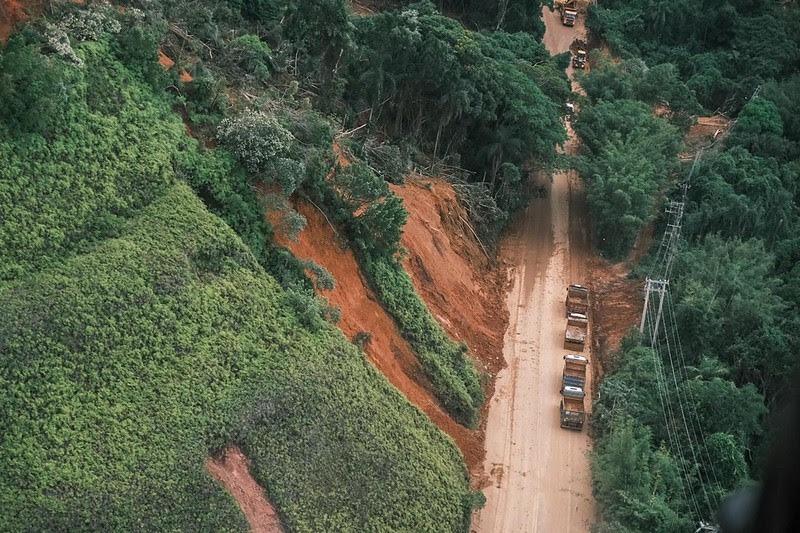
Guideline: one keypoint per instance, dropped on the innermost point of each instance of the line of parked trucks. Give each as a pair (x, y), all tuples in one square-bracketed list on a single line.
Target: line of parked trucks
[(573, 380), (568, 9)]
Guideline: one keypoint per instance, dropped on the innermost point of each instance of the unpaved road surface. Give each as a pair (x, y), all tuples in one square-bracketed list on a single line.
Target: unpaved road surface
[(539, 473)]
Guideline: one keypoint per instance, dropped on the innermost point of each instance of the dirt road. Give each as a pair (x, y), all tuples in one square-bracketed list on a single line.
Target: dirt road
[(539, 473)]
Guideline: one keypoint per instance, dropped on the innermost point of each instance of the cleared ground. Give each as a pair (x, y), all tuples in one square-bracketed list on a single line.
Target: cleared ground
[(539, 473)]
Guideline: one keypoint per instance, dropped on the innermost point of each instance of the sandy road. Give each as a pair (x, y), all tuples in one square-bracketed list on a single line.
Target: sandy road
[(539, 473)]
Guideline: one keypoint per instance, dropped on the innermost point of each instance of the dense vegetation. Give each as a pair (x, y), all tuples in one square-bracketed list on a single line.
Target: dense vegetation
[(734, 289), (487, 101), (124, 367), (722, 49), (627, 156), (139, 333), (146, 324)]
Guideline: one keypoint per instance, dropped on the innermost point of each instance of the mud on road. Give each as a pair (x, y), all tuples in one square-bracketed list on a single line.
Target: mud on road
[(538, 473)]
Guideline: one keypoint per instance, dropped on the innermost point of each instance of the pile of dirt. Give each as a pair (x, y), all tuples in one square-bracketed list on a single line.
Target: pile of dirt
[(232, 471), (164, 60), (616, 308), (167, 63), (704, 132), (462, 286), (363, 316)]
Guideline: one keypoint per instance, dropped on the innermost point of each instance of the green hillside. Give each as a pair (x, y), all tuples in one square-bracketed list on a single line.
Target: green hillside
[(139, 335)]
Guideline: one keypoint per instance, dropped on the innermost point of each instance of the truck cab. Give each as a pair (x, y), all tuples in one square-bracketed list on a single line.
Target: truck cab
[(569, 11), (572, 413), (568, 17)]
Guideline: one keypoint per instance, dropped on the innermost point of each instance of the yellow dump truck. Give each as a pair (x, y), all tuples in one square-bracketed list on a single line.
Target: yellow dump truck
[(575, 334), (569, 12), (572, 412), (577, 299)]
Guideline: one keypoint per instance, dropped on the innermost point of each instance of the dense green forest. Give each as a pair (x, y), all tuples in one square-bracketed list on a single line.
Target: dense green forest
[(733, 302), (147, 317)]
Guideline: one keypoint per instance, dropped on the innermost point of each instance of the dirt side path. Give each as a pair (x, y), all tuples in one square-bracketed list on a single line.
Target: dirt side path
[(539, 473), (232, 471), (361, 312)]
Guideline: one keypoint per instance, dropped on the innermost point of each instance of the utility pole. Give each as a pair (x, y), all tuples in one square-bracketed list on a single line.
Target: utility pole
[(672, 235), (658, 286)]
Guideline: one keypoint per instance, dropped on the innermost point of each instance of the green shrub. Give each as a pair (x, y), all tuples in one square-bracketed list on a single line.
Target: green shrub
[(452, 374), (125, 367), (252, 55), (628, 155), (54, 190), (139, 335)]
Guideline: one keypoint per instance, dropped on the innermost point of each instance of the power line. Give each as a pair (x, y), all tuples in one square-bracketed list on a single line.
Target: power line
[(688, 428), (691, 400), (683, 419), (686, 487)]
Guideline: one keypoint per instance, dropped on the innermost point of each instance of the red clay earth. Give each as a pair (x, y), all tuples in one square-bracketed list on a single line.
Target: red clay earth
[(11, 13), (361, 312), (616, 308), (464, 289), (232, 471)]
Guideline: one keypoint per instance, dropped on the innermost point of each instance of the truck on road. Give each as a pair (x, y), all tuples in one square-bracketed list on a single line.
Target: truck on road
[(577, 299), (574, 372), (572, 412), (575, 334), (569, 12), (579, 59)]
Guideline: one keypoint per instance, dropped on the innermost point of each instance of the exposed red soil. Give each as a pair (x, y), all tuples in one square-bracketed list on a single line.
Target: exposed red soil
[(232, 471), (705, 131), (12, 12), (370, 7), (616, 308), (361, 312), (361, 8), (164, 60), (462, 287)]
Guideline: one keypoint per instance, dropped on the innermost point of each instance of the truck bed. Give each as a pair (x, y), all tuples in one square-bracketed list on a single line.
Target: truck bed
[(572, 413), (575, 335), (577, 299)]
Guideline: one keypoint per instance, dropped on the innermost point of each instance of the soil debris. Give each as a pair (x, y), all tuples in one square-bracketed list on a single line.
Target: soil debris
[(232, 471), (12, 12), (364, 319), (464, 289), (164, 60)]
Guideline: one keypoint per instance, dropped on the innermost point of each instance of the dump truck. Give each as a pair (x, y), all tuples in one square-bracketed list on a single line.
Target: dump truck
[(569, 12), (579, 59), (572, 411), (574, 372), (577, 299), (575, 334)]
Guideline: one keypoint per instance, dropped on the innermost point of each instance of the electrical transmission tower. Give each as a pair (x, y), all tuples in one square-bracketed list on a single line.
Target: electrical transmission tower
[(659, 287), (675, 404), (672, 235)]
